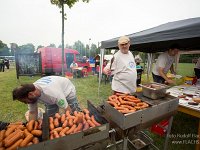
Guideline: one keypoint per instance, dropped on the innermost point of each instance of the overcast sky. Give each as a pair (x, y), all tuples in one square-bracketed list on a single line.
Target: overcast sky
[(39, 22)]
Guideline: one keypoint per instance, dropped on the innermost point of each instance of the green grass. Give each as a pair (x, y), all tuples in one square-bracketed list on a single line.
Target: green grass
[(87, 89)]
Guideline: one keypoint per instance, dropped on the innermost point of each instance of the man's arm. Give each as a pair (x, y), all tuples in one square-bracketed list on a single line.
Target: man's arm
[(162, 74), (33, 111), (172, 69)]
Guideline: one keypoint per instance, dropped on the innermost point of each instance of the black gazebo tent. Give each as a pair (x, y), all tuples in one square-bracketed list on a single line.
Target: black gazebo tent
[(186, 33)]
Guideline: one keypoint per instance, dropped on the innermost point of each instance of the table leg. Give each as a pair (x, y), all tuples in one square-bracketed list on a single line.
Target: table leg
[(198, 138), (168, 132), (125, 143)]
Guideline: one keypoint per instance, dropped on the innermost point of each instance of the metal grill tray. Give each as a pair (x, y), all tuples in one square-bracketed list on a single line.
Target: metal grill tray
[(158, 108), (75, 141)]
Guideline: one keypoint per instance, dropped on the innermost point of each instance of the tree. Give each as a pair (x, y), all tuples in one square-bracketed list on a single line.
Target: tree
[(79, 46), (28, 48), (4, 50), (60, 4)]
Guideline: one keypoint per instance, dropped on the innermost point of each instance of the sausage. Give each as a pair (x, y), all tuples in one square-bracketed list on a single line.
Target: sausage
[(56, 122), (18, 135), (121, 108), (15, 145), (112, 103), (94, 121), (86, 111), (129, 107), (75, 113), (71, 130), (36, 132), (91, 123), (78, 128), (28, 139), (21, 127), (86, 126), (62, 118), (64, 124), (2, 135), (30, 125), (67, 113), (35, 140)]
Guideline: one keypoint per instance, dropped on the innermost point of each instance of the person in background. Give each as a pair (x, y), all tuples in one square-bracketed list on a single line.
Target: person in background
[(197, 68), (163, 64), (73, 67), (2, 65), (139, 69), (6, 62), (53, 91), (123, 68)]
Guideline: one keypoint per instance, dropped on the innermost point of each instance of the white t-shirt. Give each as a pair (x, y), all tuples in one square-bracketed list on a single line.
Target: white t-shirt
[(124, 71), (164, 61), (54, 90), (198, 64)]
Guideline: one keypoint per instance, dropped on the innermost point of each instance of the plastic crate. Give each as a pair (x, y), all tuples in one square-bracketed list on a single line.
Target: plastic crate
[(160, 128)]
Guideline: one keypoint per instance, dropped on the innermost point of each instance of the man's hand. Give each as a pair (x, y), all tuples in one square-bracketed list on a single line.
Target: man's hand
[(107, 71), (169, 81)]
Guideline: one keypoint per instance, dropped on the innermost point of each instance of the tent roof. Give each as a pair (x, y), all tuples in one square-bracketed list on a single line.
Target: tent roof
[(186, 33)]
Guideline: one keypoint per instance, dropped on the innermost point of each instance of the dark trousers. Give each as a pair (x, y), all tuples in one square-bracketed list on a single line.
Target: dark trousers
[(158, 79), (197, 72), (52, 109)]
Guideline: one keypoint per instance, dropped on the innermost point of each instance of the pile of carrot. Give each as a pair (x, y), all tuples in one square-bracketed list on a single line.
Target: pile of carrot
[(19, 135), (125, 103), (65, 124)]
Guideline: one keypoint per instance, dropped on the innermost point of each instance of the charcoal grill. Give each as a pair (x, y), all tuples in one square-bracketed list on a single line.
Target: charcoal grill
[(159, 109), (90, 137)]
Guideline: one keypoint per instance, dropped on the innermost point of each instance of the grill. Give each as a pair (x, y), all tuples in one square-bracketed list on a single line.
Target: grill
[(79, 140), (158, 109)]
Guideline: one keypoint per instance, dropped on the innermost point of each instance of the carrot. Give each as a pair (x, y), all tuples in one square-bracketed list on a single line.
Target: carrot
[(56, 122), (64, 124), (10, 130), (15, 145), (30, 143), (62, 118), (70, 122), (56, 135), (18, 135), (86, 111), (57, 115), (91, 123), (26, 132), (51, 126), (30, 125), (94, 121), (86, 126), (2, 135), (71, 129), (57, 129), (87, 117), (36, 132), (39, 124), (50, 119), (28, 139), (35, 140), (78, 128), (36, 125), (64, 131)]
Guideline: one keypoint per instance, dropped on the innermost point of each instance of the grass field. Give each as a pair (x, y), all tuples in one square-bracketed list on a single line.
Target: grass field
[(87, 89)]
